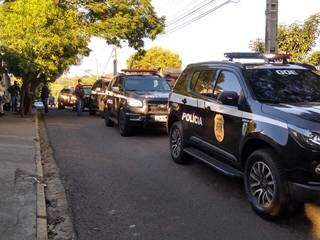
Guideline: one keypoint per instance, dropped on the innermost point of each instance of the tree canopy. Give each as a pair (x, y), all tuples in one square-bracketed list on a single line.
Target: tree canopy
[(295, 39), (154, 58), (41, 39)]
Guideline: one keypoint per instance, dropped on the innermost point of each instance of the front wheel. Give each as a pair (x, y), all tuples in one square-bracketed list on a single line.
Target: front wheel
[(108, 121), (124, 128), (266, 186), (177, 144)]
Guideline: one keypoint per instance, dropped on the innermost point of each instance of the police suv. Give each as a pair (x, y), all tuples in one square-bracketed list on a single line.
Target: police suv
[(137, 98), (258, 121)]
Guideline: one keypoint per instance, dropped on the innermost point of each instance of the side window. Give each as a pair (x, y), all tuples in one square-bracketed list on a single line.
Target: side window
[(181, 84), (194, 80), (227, 81), (204, 84)]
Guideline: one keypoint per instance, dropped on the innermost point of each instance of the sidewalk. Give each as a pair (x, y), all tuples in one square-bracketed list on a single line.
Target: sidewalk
[(17, 183)]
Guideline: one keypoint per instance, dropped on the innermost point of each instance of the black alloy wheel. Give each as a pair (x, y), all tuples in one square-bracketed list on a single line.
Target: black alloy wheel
[(177, 144), (124, 129)]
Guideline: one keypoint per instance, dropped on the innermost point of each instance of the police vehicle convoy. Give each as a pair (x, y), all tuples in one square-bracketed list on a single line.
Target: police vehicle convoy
[(137, 98), (258, 121)]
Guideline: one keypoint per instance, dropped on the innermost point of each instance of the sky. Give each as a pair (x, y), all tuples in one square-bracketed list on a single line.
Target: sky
[(230, 28)]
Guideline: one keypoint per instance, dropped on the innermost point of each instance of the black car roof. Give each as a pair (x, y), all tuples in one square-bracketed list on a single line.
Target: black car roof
[(250, 65)]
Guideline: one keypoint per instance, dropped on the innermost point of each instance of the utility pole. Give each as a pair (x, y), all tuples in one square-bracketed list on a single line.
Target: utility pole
[(115, 61), (272, 26)]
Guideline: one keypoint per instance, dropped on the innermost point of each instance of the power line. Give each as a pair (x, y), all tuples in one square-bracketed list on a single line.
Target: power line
[(197, 18), (108, 61), (191, 12)]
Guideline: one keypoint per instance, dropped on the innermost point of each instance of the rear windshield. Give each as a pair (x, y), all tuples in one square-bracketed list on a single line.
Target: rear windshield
[(285, 85), (146, 83)]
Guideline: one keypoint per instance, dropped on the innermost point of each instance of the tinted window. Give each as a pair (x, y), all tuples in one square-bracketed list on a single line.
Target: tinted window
[(285, 85), (146, 83), (181, 84), (227, 81), (204, 84), (194, 80)]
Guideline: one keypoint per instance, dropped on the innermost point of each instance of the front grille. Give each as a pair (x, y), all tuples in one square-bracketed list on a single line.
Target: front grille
[(159, 107)]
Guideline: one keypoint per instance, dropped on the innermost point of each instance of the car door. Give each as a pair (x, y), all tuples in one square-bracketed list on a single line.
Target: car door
[(224, 121), (202, 88)]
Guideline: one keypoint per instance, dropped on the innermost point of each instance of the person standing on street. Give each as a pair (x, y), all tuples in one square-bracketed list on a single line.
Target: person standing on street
[(14, 91), (45, 92), (79, 92), (2, 98)]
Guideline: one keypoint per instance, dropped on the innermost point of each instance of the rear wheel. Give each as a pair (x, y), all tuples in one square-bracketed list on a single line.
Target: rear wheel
[(266, 186), (177, 144), (124, 128), (108, 121)]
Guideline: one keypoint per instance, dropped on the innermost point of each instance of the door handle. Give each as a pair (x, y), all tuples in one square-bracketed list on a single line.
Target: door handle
[(184, 101)]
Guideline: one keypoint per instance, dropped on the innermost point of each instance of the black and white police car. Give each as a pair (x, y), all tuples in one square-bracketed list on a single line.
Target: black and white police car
[(258, 121), (137, 98)]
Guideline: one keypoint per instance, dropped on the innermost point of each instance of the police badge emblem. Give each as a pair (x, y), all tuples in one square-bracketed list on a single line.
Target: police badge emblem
[(219, 127)]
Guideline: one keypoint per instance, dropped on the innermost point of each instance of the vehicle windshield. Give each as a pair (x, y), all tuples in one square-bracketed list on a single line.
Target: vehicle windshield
[(146, 84), (285, 85)]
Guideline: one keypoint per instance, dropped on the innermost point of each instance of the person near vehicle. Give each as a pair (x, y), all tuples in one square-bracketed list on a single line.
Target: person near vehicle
[(51, 101), (79, 92), (2, 98), (45, 92), (14, 91)]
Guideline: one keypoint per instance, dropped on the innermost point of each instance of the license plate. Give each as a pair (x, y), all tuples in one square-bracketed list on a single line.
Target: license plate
[(160, 118)]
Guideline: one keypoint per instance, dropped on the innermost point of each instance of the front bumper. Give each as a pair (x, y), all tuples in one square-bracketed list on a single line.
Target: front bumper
[(136, 119), (305, 192)]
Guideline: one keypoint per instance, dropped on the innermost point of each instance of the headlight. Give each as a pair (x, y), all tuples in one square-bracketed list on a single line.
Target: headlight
[(305, 137), (134, 103)]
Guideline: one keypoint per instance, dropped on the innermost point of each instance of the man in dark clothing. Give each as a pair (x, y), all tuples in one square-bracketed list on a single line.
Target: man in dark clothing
[(14, 91), (45, 92), (79, 92)]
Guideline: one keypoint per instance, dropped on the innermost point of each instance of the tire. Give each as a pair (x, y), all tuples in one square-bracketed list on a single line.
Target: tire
[(124, 129), (108, 121), (267, 187), (177, 144)]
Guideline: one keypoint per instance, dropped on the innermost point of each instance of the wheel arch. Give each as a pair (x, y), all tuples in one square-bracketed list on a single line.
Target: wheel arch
[(171, 120), (254, 144)]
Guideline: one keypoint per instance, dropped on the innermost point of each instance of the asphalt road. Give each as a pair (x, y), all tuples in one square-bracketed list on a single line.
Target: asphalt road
[(129, 188)]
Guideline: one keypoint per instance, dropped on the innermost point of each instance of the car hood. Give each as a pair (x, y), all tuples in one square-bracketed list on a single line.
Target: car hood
[(305, 115), (149, 95)]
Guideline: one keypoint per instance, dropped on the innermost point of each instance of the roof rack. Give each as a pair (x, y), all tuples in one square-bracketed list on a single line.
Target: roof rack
[(272, 57), (140, 71)]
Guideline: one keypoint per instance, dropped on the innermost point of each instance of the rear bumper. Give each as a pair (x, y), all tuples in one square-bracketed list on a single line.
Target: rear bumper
[(305, 192), (142, 120)]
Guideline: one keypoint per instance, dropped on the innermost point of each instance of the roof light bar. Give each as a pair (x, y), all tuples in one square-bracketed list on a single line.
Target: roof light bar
[(277, 56), (151, 71), (243, 55)]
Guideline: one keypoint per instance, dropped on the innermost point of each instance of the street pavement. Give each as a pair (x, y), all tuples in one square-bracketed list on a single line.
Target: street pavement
[(17, 171), (129, 188)]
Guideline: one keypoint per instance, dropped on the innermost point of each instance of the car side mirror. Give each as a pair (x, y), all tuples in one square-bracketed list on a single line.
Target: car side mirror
[(229, 98)]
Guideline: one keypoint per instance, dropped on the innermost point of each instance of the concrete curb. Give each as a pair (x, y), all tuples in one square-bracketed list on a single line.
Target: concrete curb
[(42, 231)]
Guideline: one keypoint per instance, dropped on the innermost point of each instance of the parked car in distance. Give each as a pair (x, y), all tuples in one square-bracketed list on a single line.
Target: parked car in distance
[(86, 97), (137, 98), (98, 96), (67, 98)]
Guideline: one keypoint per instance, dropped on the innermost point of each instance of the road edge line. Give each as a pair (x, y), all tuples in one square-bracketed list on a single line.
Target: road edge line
[(42, 231)]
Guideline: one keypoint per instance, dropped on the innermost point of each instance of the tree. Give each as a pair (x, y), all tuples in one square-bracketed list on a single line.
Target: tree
[(119, 20), (41, 39), (314, 58), (258, 45), (154, 58), (295, 39)]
